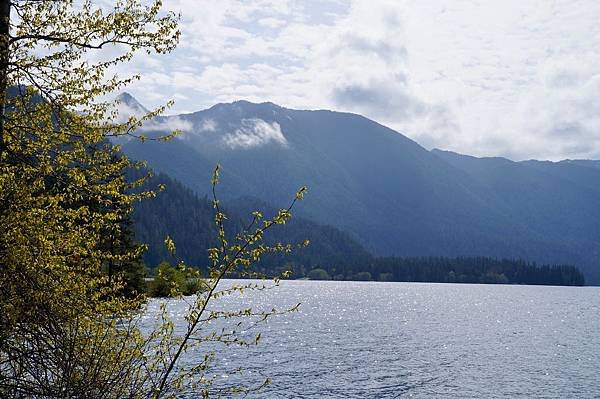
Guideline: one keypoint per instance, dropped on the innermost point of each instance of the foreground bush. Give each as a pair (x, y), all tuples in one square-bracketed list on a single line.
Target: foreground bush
[(172, 282)]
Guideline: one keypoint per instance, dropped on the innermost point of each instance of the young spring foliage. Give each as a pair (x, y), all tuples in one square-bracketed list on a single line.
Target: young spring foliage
[(66, 327), (235, 257)]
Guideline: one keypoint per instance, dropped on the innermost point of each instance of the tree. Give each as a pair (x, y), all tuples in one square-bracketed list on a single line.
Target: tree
[(125, 265), (66, 327), (62, 188)]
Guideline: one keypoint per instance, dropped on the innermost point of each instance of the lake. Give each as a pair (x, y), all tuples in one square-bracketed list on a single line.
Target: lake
[(418, 340)]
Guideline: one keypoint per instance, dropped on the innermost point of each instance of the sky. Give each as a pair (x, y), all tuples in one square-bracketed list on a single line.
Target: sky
[(512, 78)]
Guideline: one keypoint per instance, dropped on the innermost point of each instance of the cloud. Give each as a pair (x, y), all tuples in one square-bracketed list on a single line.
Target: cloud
[(167, 125), (208, 125), (512, 79), (254, 133), (204, 128), (370, 62), (562, 111), (272, 23), (382, 99)]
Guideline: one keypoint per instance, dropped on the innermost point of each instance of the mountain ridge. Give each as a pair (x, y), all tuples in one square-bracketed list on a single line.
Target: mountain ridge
[(387, 191)]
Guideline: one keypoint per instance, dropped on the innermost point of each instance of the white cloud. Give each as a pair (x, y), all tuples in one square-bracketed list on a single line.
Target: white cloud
[(255, 133), (511, 72), (208, 125), (272, 23), (167, 125), (202, 129), (563, 110)]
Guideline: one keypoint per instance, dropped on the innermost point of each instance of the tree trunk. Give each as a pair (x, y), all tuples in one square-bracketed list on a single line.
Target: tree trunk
[(4, 58)]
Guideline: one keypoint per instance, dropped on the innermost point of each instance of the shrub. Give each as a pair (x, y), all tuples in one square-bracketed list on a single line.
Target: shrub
[(168, 282), (194, 286), (318, 274)]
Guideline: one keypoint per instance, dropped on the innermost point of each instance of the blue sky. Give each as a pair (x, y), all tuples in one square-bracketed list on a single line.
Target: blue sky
[(506, 78)]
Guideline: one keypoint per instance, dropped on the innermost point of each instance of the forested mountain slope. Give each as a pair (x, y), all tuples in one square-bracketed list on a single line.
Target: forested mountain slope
[(386, 191), (189, 220)]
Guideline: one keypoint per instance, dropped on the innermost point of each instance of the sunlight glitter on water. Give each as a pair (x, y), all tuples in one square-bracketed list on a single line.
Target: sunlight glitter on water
[(386, 340)]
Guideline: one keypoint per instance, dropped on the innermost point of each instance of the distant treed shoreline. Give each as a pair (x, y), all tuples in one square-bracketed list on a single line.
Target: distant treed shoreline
[(332, 254), (477, 270), (467, 270)]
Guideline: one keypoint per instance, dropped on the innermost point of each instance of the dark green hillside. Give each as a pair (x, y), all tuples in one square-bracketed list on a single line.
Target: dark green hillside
[(188, 219), (182, 215)]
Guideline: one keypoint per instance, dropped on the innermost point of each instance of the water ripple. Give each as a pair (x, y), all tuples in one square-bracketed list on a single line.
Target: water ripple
[(396, 340)]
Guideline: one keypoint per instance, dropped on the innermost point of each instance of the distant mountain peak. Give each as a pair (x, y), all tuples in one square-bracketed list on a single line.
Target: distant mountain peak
[(243, 102), (129, 105), (247, 106)]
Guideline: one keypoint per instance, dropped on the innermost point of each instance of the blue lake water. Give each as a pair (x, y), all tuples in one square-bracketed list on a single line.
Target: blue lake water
[(393, 340)]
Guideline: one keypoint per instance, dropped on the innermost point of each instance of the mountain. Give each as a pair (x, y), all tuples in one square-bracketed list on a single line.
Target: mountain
[(129, 106), (385, 190)]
